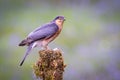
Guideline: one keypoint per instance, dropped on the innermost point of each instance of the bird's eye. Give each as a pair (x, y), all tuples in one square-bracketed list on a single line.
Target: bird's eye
[(59, 19)]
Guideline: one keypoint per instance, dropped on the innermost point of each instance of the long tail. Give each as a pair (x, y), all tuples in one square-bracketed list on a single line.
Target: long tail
[(27, 52)]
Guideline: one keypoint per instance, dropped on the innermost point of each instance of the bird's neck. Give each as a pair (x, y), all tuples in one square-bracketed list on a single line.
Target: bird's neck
[(60, 25)]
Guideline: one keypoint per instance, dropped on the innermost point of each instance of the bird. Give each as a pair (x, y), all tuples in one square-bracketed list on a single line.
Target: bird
[(42, 35)]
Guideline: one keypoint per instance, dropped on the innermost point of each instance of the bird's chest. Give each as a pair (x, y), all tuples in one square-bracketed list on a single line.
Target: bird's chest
[(55, 35)]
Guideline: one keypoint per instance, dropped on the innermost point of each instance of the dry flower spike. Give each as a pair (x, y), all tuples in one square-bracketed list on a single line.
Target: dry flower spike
[(50, 65)]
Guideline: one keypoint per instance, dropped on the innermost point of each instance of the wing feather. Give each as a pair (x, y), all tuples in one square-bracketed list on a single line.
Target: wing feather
[(45, 31)]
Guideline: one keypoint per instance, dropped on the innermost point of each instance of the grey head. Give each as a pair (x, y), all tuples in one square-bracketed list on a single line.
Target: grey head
[(59, 17)]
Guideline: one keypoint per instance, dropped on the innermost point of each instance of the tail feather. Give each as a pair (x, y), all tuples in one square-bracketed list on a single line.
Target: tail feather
[(27, 52)]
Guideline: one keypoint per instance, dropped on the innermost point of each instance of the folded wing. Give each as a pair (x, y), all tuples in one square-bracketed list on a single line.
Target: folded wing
[(46, 31)]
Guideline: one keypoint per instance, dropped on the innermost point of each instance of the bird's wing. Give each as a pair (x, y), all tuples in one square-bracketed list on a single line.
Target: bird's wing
[(45, 31)]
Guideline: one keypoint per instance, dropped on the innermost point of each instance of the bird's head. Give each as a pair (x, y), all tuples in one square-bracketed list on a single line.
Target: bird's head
[(59, 20)]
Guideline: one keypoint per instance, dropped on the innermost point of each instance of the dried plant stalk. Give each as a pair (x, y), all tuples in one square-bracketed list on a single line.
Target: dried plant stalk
[(50, 65)]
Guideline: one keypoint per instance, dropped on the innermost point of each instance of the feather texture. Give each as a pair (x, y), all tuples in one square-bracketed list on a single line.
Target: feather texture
[(46, 31)]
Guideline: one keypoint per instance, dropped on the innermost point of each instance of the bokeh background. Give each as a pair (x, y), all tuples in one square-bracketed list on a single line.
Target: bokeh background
[(90, 38)]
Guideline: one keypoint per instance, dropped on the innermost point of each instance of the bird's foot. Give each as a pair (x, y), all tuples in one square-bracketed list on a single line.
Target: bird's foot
[(47, 48)]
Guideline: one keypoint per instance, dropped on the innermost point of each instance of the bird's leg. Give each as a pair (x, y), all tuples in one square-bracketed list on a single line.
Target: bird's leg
[(47, 48), (45, 45)]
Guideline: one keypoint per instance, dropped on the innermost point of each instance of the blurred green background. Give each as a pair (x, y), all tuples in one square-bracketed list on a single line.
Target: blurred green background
[(90, 38)]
